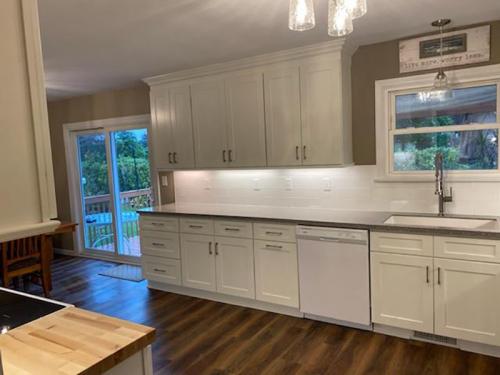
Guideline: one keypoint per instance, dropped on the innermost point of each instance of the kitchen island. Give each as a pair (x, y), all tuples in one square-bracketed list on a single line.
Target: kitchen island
[(74, 341)]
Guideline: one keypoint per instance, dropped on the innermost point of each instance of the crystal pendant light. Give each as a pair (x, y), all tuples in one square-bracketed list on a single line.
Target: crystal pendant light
[(441, 89), (301, 16), (356, 8), (339, 19)]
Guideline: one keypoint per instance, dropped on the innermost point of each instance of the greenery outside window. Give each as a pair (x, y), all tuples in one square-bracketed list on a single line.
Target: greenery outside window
[(464, 128)]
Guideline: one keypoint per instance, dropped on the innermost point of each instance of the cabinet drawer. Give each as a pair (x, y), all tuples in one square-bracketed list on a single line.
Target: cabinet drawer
[(159, 223), (467, 249), (274, 232), (161, 244), (197, 226), (401, 243), (240, 229), (161, 269)]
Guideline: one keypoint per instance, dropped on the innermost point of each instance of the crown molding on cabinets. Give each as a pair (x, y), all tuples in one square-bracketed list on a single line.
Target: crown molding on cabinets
[(337, 45)]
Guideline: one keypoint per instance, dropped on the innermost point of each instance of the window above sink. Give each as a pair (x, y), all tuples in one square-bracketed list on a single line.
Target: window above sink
[(412, 127)]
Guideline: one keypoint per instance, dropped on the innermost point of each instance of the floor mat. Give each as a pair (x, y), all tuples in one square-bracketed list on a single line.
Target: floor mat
[(125, 272)]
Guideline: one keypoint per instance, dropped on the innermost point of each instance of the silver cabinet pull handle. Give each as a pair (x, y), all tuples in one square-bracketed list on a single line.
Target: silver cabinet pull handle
[(159, 270), (230, 155), (232, 229), (297, 153), (304, 153), (210, 248), (274, 233), (224, 156), (196, 226), (216, 248), (170, 157), (158, 244), (276, 247), (427, 274), (175, 157), (157, 224), (439, 275)]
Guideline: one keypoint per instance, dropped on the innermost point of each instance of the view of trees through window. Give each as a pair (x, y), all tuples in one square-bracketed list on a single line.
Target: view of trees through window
[(465, 148)]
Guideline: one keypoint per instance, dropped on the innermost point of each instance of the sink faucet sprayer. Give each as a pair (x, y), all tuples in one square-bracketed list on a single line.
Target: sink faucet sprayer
[(440, 189)]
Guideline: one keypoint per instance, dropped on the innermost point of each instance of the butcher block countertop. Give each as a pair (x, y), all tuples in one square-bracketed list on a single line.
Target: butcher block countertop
[(71, 341)]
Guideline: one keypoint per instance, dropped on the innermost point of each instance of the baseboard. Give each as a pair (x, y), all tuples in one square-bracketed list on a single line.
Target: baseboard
[(74, 253), (69, 252), (259, 305)]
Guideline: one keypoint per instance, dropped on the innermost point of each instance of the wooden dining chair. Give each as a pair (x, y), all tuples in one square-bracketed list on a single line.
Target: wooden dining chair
[(26, 257)]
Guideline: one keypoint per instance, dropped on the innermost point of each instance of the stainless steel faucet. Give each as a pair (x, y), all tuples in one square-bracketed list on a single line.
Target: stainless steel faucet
[(440, 189)]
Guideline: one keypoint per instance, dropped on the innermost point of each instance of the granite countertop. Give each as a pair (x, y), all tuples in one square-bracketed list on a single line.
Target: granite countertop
[(370, 220)]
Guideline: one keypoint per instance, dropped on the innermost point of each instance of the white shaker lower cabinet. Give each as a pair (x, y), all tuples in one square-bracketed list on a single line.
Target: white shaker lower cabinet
[(402, 291), (276, 272), (198, 261), (234, 266), (467, 300)]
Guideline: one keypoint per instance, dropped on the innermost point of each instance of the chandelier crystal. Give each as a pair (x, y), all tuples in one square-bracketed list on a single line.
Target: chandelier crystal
[(356, 8), (301, 15)]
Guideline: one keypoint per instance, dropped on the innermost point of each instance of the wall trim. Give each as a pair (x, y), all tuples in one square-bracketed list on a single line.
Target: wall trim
[(337, 45), (34, 62)]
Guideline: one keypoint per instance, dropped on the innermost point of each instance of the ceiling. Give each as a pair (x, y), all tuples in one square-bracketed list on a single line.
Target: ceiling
[(95, 45)]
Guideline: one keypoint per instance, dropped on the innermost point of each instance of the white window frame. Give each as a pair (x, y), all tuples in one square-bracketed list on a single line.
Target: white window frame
[(385, 93)]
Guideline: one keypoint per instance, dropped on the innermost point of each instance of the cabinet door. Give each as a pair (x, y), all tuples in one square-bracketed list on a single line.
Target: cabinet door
[(161, 128), (246, 131), (234, 266), (321, 104), (209, 124), (467, 300), (402, 291), (276, 273), (182, 127), (283, 128), (198, 261)]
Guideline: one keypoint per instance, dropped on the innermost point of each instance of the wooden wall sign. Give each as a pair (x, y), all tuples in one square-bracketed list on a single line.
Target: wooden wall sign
[(459, 48)]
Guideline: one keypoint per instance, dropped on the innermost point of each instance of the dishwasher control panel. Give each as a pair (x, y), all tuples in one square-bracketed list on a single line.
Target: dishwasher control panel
[(332, 233)]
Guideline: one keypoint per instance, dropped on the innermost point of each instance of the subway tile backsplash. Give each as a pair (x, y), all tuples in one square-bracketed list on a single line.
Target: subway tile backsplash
[(351, 188)]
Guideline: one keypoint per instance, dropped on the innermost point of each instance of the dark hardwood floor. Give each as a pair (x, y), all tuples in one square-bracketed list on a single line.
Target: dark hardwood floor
[(195, 336)]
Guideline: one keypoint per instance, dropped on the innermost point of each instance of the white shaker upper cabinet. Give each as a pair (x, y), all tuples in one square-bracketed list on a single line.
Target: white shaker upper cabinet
[(209, 123), (283, 125), (172, 127), (162, 131), (246, 124), (321, 101)]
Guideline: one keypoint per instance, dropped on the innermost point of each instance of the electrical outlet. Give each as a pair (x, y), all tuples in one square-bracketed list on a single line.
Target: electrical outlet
[(256, 184), (327, 184)]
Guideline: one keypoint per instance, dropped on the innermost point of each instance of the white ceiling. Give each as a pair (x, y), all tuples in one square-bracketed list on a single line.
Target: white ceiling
[(95, 45)]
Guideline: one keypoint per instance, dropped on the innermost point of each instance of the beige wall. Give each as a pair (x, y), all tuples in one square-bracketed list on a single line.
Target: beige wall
[(117, 103), (381, 61)]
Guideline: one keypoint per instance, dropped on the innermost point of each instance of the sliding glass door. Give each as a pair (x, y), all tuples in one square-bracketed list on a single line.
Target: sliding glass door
[(113, 182)]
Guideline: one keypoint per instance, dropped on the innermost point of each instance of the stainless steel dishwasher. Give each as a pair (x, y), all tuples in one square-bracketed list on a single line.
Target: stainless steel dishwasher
[(334, 275)]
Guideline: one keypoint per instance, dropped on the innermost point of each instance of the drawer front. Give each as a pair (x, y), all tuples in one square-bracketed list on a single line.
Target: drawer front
[(197, 226), (159, 223), (467, 249), (160, 244), (162, 270), (229, 228), (401, 243), (274, 232)]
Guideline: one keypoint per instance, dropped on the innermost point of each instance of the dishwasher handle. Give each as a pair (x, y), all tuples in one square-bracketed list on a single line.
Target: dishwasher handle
[(334, 240)]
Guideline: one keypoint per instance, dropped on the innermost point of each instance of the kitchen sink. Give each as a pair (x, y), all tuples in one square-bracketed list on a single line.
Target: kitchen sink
[(443, 222)]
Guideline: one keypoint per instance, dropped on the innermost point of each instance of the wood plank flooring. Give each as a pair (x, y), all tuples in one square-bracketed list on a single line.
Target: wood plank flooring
[(195, 336)]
